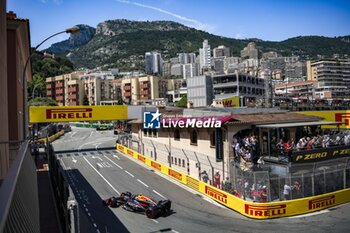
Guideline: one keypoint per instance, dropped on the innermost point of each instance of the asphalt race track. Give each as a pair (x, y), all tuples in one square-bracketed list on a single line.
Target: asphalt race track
[(95, 175)]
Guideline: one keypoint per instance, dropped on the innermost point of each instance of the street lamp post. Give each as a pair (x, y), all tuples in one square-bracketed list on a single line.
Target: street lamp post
[(72, 30), (35, 86)]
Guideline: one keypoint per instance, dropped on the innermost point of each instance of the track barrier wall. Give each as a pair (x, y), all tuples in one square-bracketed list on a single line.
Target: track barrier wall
[(248, 209), (52, 137)]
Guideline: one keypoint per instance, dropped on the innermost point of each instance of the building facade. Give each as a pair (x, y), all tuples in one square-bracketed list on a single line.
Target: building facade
[(74, 92), (153, 62), (250, 51), (185, 58), (58, 90), (221, 51), (18, 176), (238, 84), (176, 89), (140, 90), (205, 56), (332, 76), (97, 87), (200, 90), (18, 51), (304, 89)]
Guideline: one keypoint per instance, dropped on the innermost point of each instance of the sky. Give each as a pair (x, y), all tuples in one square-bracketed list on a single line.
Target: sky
[(273, 20)]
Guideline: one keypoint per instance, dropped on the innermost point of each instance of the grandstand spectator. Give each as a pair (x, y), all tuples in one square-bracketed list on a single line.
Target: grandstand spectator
[(204, 176), (273, 146), (227, 185), (296, 190), (263, 194), (217, 179), (347, 138), (326, 141), (309, 144), (286, 192), (280, 147)]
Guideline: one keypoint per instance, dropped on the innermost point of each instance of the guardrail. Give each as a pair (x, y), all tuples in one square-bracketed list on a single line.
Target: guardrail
[(52, 137), (249, 209)]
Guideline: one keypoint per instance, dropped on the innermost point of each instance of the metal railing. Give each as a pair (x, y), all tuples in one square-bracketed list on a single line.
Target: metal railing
[(293, 181), (19, 204)]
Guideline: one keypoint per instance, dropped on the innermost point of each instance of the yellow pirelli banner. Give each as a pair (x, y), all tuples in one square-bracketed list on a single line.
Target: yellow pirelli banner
[(43, 114), (336, 115), (246, 208)]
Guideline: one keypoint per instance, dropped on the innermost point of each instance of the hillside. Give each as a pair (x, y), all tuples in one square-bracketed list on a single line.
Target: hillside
[(123, 43)]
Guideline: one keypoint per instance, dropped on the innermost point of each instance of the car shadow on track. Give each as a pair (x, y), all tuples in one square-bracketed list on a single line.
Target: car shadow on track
[(92, 212)]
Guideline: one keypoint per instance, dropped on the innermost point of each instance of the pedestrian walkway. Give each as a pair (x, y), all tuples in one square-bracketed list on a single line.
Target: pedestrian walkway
[(48, 214)]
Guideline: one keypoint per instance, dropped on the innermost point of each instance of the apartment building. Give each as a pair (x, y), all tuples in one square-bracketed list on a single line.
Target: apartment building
[(98, 87), (185, 58), (153, 62), (205, 56), (333, 76), (176, 89), (185, 70), (238, 84), (117, 90), (57, 88), (74, 93), (140, 90), (296, 89), (221, 51), (250, 52)]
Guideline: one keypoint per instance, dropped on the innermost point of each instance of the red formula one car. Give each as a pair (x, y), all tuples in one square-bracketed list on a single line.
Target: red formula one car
[(139, 203)]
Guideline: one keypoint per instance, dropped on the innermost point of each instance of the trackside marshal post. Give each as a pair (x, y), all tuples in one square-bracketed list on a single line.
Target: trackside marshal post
[(77, 113)]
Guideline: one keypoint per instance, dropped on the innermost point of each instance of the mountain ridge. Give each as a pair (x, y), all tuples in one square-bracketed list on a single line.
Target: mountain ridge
[(123, 43)]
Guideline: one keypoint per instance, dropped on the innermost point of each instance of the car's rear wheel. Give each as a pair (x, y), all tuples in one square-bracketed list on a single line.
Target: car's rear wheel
[(151, 212)]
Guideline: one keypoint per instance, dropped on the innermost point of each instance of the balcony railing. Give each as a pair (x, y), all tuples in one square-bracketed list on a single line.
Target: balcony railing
[(19, 206), (72, 89)]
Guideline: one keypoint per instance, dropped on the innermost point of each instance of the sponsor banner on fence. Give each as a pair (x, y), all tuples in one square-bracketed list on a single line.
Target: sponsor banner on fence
[(77, 113), (320, 154), (192, 183), (246, 208)]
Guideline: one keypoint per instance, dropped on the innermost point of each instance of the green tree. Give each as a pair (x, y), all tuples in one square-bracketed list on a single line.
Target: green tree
[(182, 102), (36, 86), (42, 101)]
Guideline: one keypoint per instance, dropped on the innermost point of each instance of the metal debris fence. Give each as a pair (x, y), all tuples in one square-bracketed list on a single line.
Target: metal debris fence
[(303, 180)]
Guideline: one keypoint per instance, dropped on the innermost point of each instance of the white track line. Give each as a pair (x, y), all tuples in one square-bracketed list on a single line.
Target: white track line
[(311, 214), (176, 182), (174, 231), (114, 162), (154, 220), (142, 183), (158, 194), (129, 173), (102, 176)]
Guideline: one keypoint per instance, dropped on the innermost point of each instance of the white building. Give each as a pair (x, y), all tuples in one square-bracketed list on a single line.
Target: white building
[(185, 58), (205, 56)]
